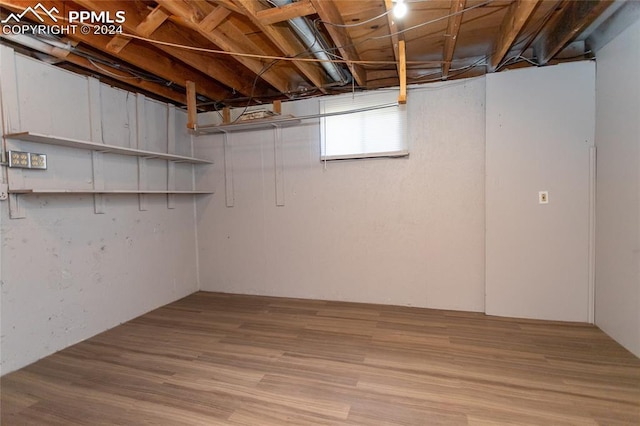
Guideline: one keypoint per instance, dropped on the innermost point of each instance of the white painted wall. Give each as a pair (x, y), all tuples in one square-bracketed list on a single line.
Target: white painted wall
[(67, 273), (540, 128), (618, 189), (406, 231)]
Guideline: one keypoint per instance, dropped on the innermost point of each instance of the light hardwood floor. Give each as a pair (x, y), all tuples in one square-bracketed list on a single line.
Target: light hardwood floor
[(215, 359)]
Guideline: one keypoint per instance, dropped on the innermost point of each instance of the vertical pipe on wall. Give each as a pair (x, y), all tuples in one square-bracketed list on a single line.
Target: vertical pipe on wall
[(228, 170), (592, 234), (278, 165), (141, 143), (171, 149)]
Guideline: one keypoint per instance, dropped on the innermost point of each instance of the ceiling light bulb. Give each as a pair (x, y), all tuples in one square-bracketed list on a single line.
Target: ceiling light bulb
[(400, 9)]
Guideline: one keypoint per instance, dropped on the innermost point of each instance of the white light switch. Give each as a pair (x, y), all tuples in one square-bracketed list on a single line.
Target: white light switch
[(543, 197)]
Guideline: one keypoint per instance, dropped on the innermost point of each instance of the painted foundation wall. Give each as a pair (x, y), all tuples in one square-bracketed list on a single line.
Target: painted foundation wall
[(406, 231), (66, 272), (618, 189), (540, 127)]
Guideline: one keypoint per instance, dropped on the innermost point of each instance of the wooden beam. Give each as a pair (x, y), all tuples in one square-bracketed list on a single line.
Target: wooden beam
[(107, 71), (274, 15), (574, 17), (145, 28), (329, 13), (402, 97), (137, 22), (119, 75), (277, 107), (393, 30), (229, 38), (192, 108), (151, 22), (137, 54), (118, 43), (226, 115), (214, 19), (451, 37), (514, 21), (285, 40), (228, 4)]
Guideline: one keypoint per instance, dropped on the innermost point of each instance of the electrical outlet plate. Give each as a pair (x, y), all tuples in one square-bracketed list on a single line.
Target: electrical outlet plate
[(27, 160), (543, 197)]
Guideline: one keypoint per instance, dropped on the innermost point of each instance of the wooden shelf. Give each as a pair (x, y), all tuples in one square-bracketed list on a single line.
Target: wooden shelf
[(104, 191), (266, 123), (75, 143)]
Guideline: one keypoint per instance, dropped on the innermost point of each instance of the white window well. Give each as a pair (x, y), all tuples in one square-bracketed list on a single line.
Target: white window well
[(363, 125)]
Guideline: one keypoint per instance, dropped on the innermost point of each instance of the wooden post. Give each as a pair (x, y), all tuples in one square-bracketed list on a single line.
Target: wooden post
[(192, 109), (226, 115), (171, 149), (402, 98)]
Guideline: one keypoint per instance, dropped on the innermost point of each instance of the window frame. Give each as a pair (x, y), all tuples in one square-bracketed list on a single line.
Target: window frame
[(363, 103)]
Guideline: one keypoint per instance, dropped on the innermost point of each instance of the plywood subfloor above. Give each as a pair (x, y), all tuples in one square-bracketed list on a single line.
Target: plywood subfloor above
[(220, 359)]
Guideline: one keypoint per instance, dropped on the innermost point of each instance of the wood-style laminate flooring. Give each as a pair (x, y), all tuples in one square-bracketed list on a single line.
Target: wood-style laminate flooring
[(217, 359)]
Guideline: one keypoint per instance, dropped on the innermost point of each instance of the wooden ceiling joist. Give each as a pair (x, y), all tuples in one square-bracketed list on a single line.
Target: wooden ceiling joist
[(574, 17), (286, 41), (127, 79), (145, 28), (238, 49), (228, 4), (214, 19), (139, 24), (514, 21), (136, 54), (393, 28), (229, 40), (329, 13), (274, 15), (92, 68), (451, 36)]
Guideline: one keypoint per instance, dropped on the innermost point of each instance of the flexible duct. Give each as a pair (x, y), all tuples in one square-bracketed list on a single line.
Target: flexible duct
[(304, 31)]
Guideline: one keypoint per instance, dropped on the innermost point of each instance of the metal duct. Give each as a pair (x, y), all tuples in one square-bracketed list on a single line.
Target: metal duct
[(304, 31)]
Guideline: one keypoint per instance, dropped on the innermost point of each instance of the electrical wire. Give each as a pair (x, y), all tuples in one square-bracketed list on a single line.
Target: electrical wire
[(528, 38), (94, 60), (432, 21), (109, 73), (295, 58), (270, 57), (460, 71), (357, 24), (253, 87), (264, 70)]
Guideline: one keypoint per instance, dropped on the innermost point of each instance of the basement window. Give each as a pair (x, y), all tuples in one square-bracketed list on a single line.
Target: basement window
[(363, 125)]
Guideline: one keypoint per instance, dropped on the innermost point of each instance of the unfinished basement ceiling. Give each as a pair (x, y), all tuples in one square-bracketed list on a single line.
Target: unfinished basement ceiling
[(239, 51)]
